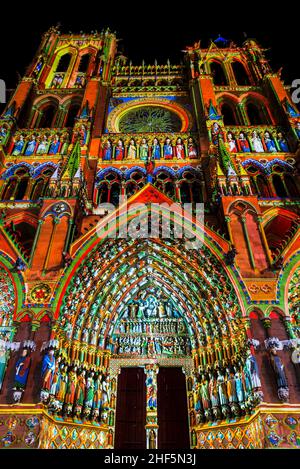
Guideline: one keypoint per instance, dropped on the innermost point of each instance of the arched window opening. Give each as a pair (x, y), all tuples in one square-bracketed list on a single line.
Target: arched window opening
[(103, 193), (240, 74), (256, 115), (169, 189), (47, 119), (217, 71), (253, 186), (197, 192), (279, 186), (9, 189), (115, 193), (185, 192), (291, 186), (262, 186), (229, 117), (131, 188), (84, 63), (64, 63), (72, 114), (137, 176), (38, 190), (21, 189), (110, 176)]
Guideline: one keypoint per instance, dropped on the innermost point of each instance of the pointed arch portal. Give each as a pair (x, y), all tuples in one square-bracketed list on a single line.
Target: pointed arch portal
[(152, 304)]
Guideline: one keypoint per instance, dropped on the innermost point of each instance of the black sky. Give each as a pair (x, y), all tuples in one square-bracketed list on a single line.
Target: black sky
[(150, 29)]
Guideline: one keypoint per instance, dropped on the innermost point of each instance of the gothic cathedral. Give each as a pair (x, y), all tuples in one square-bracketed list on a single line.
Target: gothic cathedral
[(149, 250)]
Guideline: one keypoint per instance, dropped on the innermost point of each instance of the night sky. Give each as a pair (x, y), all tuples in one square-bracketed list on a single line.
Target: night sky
[(148, 30)]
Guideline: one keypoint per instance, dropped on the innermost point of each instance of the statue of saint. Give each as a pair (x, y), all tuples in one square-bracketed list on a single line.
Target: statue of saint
[(179, 149), (239, 387), (213, 392), (222, 389), (204, 391), (90, 388), (252, 367), (119, 155), (107, 151), (161, 310), (257, 143), (132, 150), (48, 370), (22, 370), (61, 387), (231, 388), (156, 149), (278, 368), (168, 149), (31, 146), (152, 439), (71, 386), (192, 151), (19, 145), (97, 397), (80, 392), (144, 150)]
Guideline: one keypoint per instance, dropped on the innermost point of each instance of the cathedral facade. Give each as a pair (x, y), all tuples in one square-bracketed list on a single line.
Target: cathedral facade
[(149, 250)]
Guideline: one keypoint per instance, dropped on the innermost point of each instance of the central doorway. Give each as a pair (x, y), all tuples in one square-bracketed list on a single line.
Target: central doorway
[(172, 409), (131, 409)]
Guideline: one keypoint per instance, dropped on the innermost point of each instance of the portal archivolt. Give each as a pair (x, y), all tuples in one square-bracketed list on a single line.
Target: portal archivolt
[(124, 280)]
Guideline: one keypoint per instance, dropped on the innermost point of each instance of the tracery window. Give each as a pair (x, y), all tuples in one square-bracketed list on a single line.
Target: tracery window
[(150, 119)]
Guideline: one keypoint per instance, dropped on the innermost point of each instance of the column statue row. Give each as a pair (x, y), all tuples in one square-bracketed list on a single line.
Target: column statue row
[(223, 393), (77, 392)]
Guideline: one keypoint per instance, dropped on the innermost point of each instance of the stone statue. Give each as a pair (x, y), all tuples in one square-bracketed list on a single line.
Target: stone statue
[(48, 370), (252, 366), (22, 370), (231, 388), (278, 367), (152, 439)]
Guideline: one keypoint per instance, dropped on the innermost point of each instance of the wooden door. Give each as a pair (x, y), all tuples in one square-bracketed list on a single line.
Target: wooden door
[(172, 409), (131, 410)]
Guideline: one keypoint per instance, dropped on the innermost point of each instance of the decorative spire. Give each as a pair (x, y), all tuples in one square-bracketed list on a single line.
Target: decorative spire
[(212, 112), (291, 110), (224, 156), (10, 110), (85, 113), (230, 171), (73, 162), (54, 176)]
